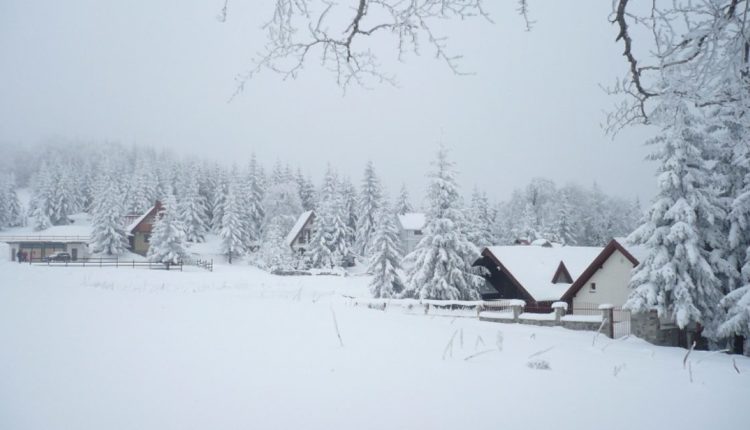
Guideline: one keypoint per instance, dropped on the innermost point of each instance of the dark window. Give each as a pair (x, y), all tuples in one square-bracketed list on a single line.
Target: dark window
[(147, 238), (417, 232), (592, 288)]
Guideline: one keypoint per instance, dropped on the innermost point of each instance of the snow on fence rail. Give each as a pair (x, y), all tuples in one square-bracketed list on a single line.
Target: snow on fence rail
[(106, 262), (42, 238), (505, 311)]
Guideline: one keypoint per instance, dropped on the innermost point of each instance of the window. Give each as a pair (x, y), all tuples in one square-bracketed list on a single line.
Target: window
[(147, 238), (592, 287), (417, 232), (304, 237)]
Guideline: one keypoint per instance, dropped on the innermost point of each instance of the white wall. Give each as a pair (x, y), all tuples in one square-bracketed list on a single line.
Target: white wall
[(409, 240), (611, 283)]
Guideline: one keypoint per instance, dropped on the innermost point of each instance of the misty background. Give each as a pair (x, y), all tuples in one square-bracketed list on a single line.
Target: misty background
[(161, 73)]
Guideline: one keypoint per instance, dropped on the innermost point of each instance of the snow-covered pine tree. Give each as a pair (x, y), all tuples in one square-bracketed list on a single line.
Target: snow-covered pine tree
[(677, 278), (564, 230), (368, 208), (191, 210), (220, 196), (441, 265), (254, 206), (403, 204), (347, 196), (282, 205), (16, 217), (4, 202), (231, 233), (480, 221), (66, 198), (144, 185), (39, 217), (108, 234), (529, 229), (306, 191), (385, 261), (274, 254), (167, 242), (737, 186), (330, 243)]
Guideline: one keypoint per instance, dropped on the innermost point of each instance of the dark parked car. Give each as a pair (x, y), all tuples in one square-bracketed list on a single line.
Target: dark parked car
[(59, 256)]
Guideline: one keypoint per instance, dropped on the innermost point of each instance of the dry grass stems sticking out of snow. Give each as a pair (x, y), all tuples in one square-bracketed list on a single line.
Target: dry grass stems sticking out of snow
[(449, 347), (336, 326), (538, 364)]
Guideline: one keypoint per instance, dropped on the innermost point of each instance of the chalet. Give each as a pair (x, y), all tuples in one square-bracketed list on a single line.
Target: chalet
[(606, 278), (301, 233), (139, 229), (410, 230), (539, 275), (74, 238)]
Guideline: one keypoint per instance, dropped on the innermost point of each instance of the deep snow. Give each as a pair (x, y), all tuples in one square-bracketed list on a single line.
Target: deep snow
[(135, 349)]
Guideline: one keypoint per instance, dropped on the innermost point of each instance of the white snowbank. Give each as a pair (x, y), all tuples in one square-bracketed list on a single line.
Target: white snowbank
[(238, 348)]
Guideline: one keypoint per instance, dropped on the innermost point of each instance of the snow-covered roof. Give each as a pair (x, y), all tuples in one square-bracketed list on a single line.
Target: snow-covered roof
[(412, 221), (71, 233), (140, 219), (534, 266), (298, 226), (638, 251)]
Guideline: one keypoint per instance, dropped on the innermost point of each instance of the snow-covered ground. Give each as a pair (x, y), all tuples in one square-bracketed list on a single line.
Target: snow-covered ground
[(239, 349)]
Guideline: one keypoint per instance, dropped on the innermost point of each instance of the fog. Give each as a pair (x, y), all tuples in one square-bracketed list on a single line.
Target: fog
[(161, 73)]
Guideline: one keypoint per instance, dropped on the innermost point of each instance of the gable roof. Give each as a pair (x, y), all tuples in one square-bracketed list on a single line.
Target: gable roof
[(533, 268), (412, 221), (564, 272), (141, 219), (596, 264), (298, 226)]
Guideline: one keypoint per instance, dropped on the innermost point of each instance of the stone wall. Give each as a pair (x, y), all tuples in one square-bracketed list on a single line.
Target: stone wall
[(646, 325)]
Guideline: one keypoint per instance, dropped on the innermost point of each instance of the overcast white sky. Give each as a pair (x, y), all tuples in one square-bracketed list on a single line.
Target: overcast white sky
[(160, 72)]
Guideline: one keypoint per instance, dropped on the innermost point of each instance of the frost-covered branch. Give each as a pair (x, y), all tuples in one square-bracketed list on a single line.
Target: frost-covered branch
[(700, 54), (301, 31)]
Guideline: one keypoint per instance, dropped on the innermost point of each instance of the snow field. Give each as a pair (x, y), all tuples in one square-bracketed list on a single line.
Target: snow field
[(237, 348)]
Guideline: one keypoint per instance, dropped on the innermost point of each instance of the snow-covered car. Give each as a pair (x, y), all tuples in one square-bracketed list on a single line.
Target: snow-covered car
[(59, 256)]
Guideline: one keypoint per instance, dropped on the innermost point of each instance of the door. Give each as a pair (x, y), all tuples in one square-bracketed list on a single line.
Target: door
[(74, 254), (13, 253)]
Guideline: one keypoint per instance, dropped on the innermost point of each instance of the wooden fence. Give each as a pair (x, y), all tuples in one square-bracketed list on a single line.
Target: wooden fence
[(106, 262)]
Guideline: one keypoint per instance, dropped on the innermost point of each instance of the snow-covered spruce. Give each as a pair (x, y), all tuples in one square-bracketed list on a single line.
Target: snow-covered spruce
[(108, 235), (330, 243), (403, 204), (479, 220), (191, 210), (167, 242), (254, 207), (385, 261), (274, 254), (677, 278), (441, 265), (368, 207), (231, 233)]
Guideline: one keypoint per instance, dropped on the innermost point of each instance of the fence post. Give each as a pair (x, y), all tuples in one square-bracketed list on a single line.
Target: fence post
[(607, 316), (517, 307), (560, 309)]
